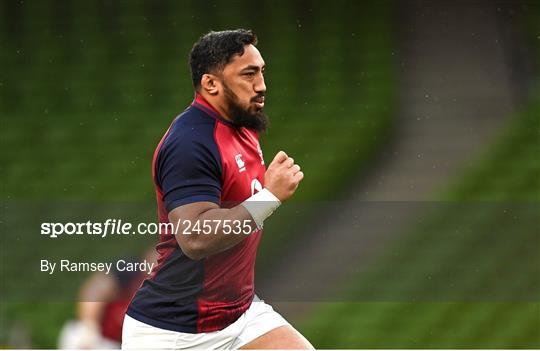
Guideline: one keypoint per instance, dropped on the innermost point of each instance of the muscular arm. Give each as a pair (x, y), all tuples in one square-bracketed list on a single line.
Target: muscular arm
[(197, 245), (281, 179)]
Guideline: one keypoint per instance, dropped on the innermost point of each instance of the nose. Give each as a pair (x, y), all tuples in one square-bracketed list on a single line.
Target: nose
[(259, 86)]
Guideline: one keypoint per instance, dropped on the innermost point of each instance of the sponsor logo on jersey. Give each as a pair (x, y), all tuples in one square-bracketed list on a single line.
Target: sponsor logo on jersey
[(240, 163)]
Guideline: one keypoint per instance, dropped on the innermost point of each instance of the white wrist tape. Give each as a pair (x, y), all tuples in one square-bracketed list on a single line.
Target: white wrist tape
[(261, 205)]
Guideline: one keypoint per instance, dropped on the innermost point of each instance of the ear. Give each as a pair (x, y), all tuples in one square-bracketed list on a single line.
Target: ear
[(210, 84)]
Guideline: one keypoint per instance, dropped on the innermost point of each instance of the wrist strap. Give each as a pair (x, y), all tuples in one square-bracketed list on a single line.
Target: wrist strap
[(261, 205)]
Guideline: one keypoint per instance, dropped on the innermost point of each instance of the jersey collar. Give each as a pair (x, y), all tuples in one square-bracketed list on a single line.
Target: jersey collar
[(202, 104)]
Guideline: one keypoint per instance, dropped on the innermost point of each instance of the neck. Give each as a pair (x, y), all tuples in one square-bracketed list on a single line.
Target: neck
[(216, 104)]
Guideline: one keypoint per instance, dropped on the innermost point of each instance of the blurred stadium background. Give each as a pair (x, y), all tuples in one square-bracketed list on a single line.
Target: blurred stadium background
[(362, 94)]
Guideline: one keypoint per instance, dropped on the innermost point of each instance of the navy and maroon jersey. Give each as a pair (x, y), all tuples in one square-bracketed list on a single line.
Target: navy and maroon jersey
[(202, 157)]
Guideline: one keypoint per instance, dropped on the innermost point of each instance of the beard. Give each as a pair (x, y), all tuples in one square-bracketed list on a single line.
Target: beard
[(242, 117)]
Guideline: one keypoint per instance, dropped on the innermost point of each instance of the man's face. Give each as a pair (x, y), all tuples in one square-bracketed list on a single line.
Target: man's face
[(244, 89)]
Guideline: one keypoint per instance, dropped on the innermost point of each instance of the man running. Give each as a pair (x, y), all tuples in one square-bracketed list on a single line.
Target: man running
[(213, 187)]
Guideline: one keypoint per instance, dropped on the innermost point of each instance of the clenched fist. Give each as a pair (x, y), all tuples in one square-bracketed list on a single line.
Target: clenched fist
[(282, 176)]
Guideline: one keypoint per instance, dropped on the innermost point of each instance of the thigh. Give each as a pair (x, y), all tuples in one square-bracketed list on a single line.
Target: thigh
[(266, 329), (284, 337)]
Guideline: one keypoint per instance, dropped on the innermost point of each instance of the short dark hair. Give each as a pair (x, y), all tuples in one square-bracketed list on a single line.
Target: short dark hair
[(215, 50)]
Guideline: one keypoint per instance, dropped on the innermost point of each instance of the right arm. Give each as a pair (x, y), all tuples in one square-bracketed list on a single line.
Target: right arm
[(281, 180)]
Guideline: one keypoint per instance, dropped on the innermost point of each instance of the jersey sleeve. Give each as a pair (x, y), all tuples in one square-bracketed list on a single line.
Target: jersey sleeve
[(188, 169)]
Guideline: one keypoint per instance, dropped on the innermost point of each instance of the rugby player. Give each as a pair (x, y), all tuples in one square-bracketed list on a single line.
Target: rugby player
[(213, 186)]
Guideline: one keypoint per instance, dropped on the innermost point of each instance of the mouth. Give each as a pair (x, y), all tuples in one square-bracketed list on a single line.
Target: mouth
[(259, 102)]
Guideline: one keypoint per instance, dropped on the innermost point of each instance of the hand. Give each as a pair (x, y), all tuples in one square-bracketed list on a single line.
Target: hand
[(282, 176)]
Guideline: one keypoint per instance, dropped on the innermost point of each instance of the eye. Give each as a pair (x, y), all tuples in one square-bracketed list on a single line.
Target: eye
[(249, 74)]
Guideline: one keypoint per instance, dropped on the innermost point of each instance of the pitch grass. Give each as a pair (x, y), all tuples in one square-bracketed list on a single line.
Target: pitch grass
[(438, 289), (509, 173)]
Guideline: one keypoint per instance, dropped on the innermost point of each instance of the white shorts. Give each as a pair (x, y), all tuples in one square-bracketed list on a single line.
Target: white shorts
[(259, 319)]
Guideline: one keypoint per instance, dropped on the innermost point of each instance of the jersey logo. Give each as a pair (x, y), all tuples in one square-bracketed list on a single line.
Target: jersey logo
[(240, 163), (256, 186)]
